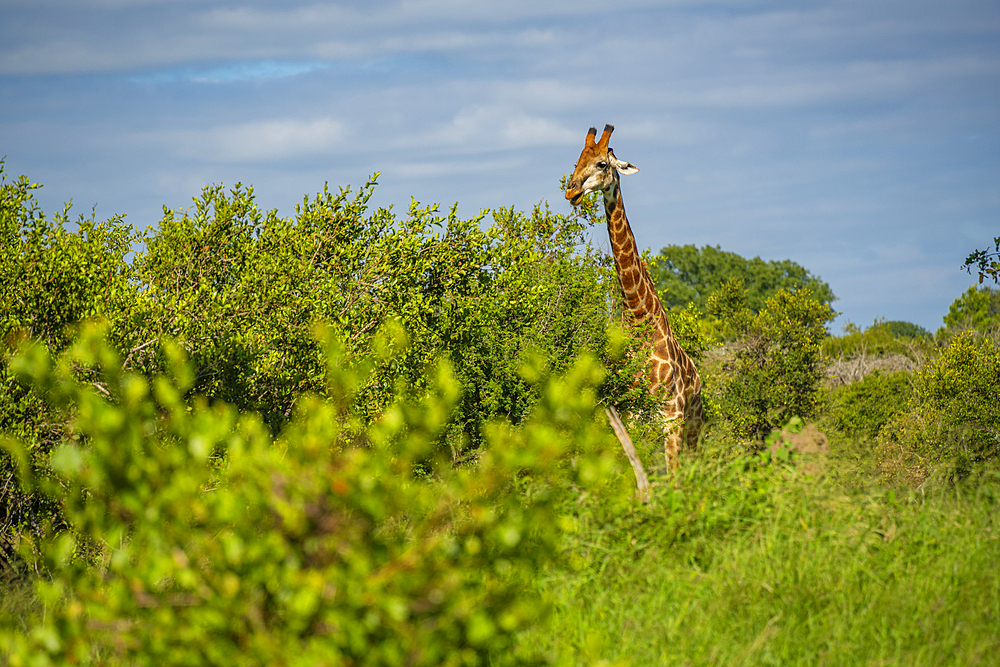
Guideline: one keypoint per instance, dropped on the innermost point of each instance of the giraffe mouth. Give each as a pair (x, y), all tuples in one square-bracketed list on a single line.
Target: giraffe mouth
[(574, 197)]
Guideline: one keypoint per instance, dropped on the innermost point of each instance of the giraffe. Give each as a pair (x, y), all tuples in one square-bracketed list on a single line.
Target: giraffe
[(672, 375)]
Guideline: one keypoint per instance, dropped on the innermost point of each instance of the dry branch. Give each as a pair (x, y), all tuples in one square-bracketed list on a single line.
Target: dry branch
[(641, 481)]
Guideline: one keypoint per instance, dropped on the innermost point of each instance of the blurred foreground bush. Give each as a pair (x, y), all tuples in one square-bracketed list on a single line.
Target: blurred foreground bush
[(196, 538)]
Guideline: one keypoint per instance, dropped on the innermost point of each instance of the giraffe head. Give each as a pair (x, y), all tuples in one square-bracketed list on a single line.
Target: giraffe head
[(597, 168)]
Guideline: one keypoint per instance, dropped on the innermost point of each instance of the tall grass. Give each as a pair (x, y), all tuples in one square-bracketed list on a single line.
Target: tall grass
[(749, 562)]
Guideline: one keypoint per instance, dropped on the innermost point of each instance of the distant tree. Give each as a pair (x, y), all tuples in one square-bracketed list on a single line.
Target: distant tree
[(688, 274), (878, 339), (900, 329), (977, 308), (987, 262)]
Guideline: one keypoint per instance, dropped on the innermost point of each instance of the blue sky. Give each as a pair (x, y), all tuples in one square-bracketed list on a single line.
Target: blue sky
[(859, 138)]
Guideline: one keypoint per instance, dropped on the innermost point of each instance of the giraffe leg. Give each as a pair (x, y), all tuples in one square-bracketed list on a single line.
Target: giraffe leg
[(692, 429), (672, 444), (694, 421), (674, 434)]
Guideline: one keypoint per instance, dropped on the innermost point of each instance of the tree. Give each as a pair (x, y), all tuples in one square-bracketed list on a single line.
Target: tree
[(902, 329), (977, 308), (987, 262), (687, 274)]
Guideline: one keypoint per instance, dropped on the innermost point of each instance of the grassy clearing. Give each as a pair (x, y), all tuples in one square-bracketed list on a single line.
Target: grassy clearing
[(745, 563)]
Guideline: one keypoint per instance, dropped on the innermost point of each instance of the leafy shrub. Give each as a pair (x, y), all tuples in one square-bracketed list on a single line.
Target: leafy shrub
[(51, 279), (777, 360), (240, 289), (213, 543), (862, 408), (953, 417), (901, 329), (692, 330)]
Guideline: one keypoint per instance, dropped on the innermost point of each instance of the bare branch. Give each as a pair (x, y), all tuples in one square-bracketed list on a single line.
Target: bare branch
[(642, 482)]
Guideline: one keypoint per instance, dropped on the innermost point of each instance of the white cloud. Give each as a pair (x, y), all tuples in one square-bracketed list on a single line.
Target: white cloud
[(253, 142), (247, 71), (496, 127), (436, 169)]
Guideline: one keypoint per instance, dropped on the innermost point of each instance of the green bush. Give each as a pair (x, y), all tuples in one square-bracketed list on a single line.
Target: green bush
[(51, 279), (197, 538), (901, 329), (240, 289), (862, 408), (693, 331), (777, 361), (953, 417)]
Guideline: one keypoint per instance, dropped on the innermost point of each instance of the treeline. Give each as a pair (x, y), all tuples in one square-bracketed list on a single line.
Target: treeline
[(688, 274)]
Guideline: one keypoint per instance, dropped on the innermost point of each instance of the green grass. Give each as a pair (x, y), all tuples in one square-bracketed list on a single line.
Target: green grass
[(746, 564), (17, 600)]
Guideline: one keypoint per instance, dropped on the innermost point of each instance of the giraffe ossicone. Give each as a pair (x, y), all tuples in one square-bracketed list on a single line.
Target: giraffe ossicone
[(671, 373)]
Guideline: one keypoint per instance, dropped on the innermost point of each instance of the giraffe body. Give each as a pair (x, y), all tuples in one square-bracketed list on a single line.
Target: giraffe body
[(672, 374)]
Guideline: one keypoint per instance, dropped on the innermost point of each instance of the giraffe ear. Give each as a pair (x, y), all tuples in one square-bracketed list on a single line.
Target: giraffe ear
[(624, 167)]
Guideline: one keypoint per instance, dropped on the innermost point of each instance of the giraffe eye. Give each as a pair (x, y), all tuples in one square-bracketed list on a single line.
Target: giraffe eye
[(602, 165)]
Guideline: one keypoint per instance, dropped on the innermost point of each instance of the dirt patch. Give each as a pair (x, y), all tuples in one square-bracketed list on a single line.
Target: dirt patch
[(809, 445)]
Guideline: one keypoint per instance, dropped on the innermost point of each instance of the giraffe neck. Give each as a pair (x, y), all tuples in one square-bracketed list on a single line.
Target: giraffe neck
[(637, 285)]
